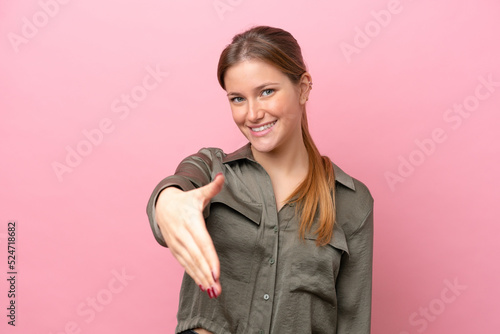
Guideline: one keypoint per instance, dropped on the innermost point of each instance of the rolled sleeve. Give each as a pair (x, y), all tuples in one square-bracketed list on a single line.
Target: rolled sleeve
[(354, 282), (193, 172)]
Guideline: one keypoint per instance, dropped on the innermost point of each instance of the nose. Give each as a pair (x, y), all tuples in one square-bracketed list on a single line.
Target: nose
[(255, 111)]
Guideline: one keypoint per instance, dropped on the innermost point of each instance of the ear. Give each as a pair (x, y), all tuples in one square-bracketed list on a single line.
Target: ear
[(305, 86)]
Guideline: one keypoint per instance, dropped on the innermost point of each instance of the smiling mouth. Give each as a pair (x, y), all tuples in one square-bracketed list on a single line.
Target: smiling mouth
[(263, 127)]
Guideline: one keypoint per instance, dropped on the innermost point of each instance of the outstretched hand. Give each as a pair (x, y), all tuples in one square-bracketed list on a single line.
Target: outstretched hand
[(179, 215)]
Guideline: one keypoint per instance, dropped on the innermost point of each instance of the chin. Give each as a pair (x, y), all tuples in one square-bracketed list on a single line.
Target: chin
[(262, 147)]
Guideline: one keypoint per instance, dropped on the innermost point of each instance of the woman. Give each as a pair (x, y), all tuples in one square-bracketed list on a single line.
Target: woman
[(274, 237)]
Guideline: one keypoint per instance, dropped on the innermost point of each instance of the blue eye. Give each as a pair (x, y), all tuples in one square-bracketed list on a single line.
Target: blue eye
[(237, 99), (267, 92)]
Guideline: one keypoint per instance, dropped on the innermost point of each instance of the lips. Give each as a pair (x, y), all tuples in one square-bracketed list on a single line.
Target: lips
[(263, 127)]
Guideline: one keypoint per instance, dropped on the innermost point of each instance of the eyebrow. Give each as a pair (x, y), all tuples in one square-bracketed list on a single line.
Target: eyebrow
[(256, 88)]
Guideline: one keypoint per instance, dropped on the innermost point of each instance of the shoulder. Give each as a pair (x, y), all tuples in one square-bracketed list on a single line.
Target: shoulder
[(212, 159), (206, 156), (212, 153), (217, 154), (353, 200)]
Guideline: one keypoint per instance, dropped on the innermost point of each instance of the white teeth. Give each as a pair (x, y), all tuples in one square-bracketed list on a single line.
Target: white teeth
[(264, 127)]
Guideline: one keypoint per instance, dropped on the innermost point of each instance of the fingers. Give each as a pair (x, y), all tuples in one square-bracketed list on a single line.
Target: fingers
[(180, 218), (203, 239), (212, 260), (190, 243), (204, 258), (193, 259)]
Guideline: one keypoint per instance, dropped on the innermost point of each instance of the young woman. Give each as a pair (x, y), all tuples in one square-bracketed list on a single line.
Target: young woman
[(274, 237)]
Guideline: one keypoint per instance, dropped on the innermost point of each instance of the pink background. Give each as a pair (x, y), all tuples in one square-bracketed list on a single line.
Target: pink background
[(373, 110)]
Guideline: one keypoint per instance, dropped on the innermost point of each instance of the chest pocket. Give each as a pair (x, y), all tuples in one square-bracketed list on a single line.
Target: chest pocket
[(315, 269), (233, 225)]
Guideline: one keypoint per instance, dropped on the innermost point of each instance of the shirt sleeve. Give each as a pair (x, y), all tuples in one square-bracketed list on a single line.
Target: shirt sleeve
[(193, 172), (354, 281)]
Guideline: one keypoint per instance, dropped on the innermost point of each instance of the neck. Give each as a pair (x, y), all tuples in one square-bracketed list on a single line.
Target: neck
[(289, 160)]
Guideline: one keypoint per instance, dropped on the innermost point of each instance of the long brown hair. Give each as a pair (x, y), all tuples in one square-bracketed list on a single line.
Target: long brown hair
[(317, 192)]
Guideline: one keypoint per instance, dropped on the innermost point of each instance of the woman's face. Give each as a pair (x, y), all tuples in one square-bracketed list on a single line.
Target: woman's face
[(267, 107)]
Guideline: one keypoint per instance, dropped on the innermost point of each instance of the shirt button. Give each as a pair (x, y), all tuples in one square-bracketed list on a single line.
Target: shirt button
[(271, 261), (266, 297), (275, 229)]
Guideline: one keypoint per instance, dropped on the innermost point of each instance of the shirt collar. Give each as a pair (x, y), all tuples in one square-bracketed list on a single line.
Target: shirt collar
[(245, 152)]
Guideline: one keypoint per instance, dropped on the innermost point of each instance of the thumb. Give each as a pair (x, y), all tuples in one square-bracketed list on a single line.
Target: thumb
[(213, 188)]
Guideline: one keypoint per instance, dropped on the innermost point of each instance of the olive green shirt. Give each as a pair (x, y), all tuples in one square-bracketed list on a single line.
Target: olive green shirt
[(272, 281)]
